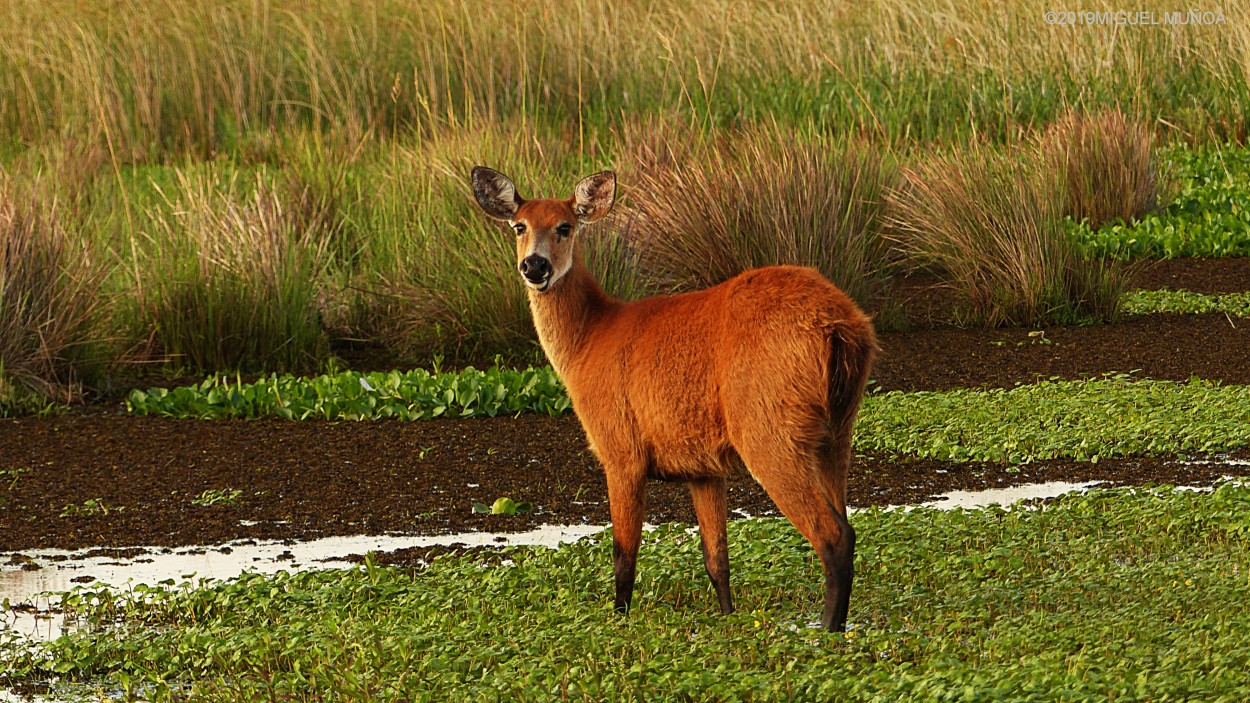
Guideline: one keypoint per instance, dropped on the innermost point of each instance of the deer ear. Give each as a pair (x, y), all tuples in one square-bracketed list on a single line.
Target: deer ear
[(495, 193), (594, 196)]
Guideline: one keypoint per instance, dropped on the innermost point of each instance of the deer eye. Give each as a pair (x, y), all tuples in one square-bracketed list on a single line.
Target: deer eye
[(520, 228), (564, 229)]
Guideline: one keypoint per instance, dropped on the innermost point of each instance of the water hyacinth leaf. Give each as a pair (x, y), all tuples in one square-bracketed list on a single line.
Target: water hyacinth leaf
[(1209, 217), (507, 506)]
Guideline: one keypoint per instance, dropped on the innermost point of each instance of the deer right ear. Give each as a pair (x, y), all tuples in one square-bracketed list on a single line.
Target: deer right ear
[(495, 193), (594, 196)]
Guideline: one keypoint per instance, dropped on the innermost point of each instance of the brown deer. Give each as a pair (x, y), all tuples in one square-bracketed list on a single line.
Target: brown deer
[(766, 369)]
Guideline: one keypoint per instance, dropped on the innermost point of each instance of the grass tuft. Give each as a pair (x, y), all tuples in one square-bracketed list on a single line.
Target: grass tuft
[(1112, 172), (232, 283), (50, 303), (759, 197), (992, 226)]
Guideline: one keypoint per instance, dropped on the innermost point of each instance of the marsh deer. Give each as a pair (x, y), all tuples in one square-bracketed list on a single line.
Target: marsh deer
[(766, 368)]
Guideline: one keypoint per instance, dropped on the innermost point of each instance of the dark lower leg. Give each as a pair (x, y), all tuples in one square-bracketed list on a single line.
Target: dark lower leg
[(712, 511), (625, 568), (626, 501), (838, 558)]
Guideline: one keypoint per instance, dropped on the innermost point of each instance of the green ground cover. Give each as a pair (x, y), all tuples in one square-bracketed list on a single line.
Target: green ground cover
[(285, 174), (1210, 215), (1127, 595), (1146, 302), (407, 395)]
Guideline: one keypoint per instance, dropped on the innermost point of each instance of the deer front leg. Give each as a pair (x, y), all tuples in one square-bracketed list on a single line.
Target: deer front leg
[(626, 499)]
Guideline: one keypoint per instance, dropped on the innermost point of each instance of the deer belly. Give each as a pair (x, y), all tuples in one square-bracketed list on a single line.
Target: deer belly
[(683, 447), (672, 443)]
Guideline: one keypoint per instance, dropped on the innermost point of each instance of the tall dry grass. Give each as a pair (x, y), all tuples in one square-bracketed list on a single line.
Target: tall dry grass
[(225, 283), (760, 197), (1110, 165), (991, 225), (50, 304), (263, 263), (200, 75)]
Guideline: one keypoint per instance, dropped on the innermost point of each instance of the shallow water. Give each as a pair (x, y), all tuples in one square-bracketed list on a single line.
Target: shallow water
[(1005, 496), (63, 570)]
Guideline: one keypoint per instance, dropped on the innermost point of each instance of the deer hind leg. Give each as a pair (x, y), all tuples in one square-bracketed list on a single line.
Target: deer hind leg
[(710, 507), (834, 462), (794, 480), (838, 557)]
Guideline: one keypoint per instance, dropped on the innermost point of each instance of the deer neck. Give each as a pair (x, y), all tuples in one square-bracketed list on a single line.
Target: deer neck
[(565, 314)]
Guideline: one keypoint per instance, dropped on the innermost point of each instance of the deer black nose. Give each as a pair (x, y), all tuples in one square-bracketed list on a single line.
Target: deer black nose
[(535, 268)]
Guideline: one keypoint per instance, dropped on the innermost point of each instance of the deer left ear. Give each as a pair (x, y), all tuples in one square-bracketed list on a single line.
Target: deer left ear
[(594, 196)]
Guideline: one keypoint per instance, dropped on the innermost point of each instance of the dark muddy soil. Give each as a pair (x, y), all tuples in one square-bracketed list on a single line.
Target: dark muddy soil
[(1164, 347), (1210, 276), (97, 478)]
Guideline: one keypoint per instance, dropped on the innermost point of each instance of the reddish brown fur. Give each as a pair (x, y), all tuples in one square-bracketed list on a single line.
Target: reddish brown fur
[(766, 368)]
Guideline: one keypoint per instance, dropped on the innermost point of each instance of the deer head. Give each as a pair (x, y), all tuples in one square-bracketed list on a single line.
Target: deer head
[(545, 228)]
